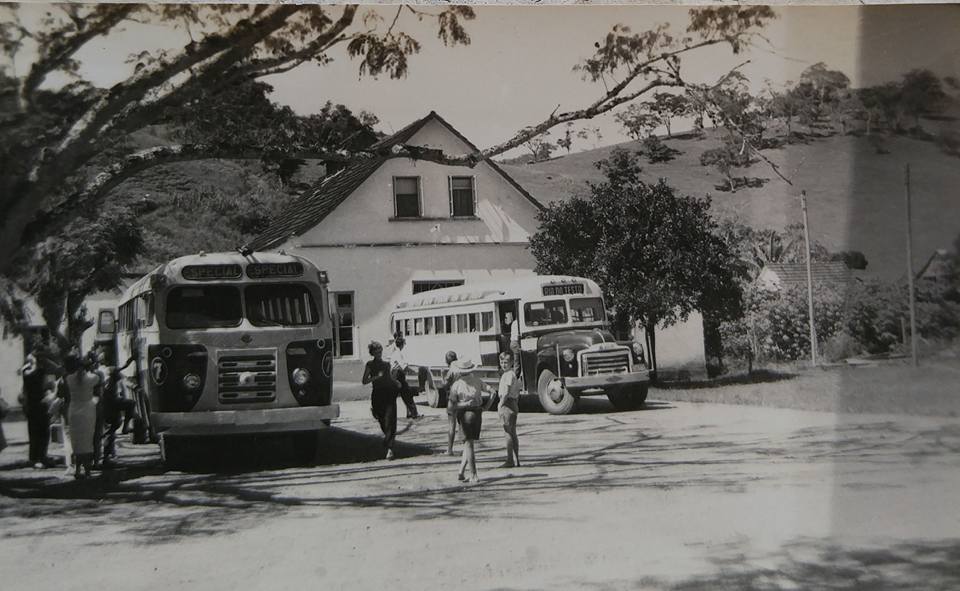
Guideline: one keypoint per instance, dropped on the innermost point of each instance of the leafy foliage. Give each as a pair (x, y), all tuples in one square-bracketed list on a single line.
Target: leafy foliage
[(658, 256)]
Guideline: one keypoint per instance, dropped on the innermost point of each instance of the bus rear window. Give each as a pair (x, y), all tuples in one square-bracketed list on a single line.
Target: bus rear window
[(209, 306), (586, 310), (283, 305), (544, 313)]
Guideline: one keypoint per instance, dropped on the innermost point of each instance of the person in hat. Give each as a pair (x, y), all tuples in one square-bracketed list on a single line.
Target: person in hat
[(383, 398), (466, 398), (398, 364)]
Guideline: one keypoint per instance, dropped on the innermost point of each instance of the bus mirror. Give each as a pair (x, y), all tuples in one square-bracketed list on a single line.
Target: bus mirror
[(106, 322)]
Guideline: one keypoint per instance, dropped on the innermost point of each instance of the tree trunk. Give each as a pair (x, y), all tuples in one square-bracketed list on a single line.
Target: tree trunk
[(652, 349)]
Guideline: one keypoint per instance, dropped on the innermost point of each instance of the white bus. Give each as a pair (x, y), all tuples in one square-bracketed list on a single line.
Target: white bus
[(224, 343), (567, 349)]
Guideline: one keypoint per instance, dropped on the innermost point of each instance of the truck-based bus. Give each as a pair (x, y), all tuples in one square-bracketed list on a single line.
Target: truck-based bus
[(567, 349), (226, 343)]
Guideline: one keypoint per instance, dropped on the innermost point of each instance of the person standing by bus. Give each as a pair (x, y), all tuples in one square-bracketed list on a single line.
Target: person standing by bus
[(514, 328), (398, 364), (449, 377), (509, 408), (466, 397), (35, 409), (83, 385), (383, 398)]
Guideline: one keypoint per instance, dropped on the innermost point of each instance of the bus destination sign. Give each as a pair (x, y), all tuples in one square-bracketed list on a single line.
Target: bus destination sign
[(211, 272), (266, 270), (563, 289)]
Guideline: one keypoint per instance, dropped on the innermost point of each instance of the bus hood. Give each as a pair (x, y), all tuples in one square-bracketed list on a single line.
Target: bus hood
[(576, 339)]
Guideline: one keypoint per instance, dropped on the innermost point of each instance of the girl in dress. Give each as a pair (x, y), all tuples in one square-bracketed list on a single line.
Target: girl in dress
[(83, 385), (383, 398), (509, 394)]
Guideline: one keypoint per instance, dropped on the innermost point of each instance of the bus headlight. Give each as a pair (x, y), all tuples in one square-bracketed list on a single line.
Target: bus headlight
[(300, 376), (191, 381), (638, 350), (568, 355)]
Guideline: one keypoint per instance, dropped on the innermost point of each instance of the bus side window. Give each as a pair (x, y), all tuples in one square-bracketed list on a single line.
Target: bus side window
[(462, 323), (148, 309), (438, 325), (418, 326), (396, 326), (487, 318), (428, 325), (407, 327), (474, 324)]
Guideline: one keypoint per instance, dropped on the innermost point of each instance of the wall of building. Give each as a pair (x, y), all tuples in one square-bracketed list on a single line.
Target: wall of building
[(379, 276), (681, 346)]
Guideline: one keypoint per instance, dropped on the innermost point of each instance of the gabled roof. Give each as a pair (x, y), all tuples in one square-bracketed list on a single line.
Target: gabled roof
[(832, 272), (313, 207), (937, 267)]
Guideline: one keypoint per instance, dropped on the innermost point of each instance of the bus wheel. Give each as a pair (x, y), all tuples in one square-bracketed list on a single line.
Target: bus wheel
[(306, 445), (554, 398), (628, 398), (428, 387)]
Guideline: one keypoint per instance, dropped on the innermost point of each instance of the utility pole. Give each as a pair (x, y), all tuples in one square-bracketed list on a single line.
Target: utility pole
[(912, 294), (806, 251)]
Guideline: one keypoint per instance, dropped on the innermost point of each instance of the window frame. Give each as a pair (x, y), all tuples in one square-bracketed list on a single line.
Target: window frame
[(396, 209), (473, 195)]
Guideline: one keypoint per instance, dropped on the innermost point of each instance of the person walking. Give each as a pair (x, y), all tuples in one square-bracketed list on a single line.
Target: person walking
[(466, 397), (35, 409), (398, 364), (383, 398), (83, 385), (449, 377), (114, 405), (508, 409)]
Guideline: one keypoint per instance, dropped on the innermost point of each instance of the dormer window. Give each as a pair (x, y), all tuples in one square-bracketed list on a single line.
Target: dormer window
[(406, 197), (463, 197)]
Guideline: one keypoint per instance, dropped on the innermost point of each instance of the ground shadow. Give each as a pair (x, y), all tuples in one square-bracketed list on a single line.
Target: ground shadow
[(759, 376)]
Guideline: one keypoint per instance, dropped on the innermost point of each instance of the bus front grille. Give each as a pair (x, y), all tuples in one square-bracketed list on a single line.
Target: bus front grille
[(606, 362), (247, 378)]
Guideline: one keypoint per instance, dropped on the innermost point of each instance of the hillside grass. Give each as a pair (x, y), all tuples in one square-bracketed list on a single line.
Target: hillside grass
[(855, 195)]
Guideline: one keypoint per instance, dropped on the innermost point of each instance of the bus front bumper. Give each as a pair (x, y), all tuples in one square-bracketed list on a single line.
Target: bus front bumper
[(238, 422), (603, 383)]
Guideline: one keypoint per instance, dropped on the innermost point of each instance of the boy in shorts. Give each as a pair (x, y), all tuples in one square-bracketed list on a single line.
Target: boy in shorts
[(509, 393)]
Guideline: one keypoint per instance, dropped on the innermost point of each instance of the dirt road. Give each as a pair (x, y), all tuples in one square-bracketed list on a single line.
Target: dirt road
[(679, 495)]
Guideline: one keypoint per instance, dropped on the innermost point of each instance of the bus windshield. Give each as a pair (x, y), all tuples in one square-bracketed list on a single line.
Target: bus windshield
[(206, 306), (545, 313), (285, 305), (586, 310)]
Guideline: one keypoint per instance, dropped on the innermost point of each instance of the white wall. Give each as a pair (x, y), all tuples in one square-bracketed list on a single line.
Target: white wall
[(681, 346), (379, 276)]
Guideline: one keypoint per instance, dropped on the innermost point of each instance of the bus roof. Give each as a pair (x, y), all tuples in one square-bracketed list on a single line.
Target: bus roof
[(523, 288), (173, 270)]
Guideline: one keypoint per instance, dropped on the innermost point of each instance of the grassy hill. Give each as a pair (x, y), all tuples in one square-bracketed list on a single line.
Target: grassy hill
[(855, 195)]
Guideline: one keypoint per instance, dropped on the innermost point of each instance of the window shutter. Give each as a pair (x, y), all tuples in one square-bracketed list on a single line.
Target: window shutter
[(450, 193), (473, 193)]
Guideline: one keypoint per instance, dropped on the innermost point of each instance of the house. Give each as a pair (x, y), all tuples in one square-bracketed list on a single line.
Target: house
[(779, 276), (938, 268), (390, 226)]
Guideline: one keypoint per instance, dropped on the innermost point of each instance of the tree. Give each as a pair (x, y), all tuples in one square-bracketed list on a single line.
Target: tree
[(921, 93), (88, 256), (59, 139), (667, 106), (656, 255), (828, 86), (638, 121), (540, 148)]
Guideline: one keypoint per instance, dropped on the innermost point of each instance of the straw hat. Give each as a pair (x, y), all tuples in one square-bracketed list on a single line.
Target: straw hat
[(463, 366)]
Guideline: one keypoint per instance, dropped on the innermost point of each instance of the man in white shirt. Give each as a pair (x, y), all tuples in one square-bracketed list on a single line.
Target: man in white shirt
[(510, 321), (398, 364)]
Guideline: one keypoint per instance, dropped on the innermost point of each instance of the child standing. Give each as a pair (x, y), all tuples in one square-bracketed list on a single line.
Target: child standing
[(509, 408), (383, 398), (467, 400), (449, 377)]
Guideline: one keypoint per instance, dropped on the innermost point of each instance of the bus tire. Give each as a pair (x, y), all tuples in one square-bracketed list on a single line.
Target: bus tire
[(554, 398), (628, 398), (428, 387)]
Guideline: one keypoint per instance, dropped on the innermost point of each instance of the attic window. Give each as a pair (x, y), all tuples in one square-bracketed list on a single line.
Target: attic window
[(463, 197), (406, 196)]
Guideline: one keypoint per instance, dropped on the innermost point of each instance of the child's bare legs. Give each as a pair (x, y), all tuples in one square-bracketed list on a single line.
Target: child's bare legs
[(451, 433), (471, 459), (512, 443), (463, 461)]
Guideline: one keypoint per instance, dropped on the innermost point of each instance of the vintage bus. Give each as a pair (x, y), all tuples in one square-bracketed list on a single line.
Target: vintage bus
[(567, 349), (226, 344)]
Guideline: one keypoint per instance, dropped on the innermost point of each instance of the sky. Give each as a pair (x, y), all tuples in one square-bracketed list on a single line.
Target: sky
[(518, 68)]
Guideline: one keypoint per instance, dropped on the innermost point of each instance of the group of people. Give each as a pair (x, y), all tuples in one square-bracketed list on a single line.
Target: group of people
[(87, 395), (465, 402)]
